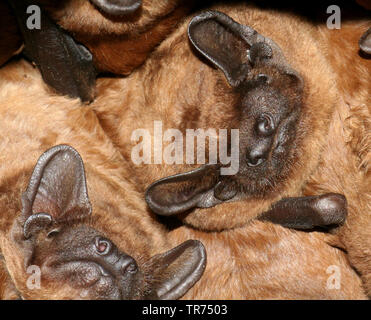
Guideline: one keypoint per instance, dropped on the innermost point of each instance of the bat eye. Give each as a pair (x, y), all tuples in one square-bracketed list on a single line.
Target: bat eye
[(263, 78), (265, 125), (102, 246), (53, 233)]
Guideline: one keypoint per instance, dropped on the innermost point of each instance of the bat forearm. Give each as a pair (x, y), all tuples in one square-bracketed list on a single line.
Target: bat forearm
[(308, 212)]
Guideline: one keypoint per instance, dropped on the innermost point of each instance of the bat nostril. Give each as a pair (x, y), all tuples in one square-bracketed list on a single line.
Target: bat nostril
[(255, 158), (128, 265)]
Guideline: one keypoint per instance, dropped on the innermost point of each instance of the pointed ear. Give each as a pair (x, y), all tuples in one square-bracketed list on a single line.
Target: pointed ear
[(177, 270), (118, 7), (365, 42), (181, 192), (232, 47), (56, 191), (226, 44)]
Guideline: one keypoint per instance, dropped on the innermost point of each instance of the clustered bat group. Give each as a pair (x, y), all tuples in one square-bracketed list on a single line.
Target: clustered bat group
[(99, 226)]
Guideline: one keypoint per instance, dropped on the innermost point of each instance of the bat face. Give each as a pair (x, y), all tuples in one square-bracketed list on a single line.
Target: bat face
[(267, 114), (262, 98), (75, 259), (90, 263)]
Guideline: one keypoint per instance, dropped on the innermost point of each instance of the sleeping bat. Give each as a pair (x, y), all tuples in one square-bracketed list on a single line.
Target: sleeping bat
[(288, 85), (256, 261), (269, 107), (75, 259), (70, 53), (77, 221)]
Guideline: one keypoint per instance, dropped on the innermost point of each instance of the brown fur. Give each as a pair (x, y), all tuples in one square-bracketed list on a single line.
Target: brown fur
[(7, 288), (266, 261), (176, 88), (45, 120), (199, 97), (118, 44), (258, 261), (365, 3), (345, 161)]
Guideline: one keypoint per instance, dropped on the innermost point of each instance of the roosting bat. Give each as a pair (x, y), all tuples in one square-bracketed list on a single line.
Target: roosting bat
[(257, 261), (119, 34), (264, 84), (86, 237)]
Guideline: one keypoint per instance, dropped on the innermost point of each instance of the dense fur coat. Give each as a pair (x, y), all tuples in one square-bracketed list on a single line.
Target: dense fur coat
[(332, 147), (249, 271), (258, 261), (118, 44), (345, 160), (26, 133)]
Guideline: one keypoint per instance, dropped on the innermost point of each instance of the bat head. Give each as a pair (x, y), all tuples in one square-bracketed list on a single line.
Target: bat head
[(77, 261), (264, 95)]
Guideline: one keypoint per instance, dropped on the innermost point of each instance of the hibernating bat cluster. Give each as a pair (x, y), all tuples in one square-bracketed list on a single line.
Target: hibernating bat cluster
[(242, 263), (90, 240), (303, 118), (85, 215), (118, 34)]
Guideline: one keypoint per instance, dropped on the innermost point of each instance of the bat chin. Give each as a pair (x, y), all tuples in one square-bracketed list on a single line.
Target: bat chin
[(259, 186)]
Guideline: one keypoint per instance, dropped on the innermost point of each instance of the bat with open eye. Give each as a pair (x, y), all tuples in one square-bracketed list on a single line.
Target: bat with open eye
[(249, 69)]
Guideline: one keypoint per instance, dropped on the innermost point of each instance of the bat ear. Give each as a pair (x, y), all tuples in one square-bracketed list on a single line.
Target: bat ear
[(177, 270), (117, 7), (232, 47), (227, 44), (365, 42), (57, 190), (181, 192)]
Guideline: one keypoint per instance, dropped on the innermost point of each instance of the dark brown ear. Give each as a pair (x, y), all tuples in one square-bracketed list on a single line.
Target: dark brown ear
[(118, 7), (232, 47), (181, 192), (365, 42), (64, 65), (56, 191), (177, 270)]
